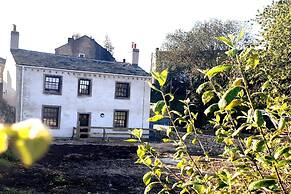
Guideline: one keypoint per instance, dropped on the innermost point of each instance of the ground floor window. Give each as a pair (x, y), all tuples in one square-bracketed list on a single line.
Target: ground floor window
[(51, 116), (120, 119)]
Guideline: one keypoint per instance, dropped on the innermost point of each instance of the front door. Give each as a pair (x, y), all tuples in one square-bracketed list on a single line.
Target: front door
[(84, 123)]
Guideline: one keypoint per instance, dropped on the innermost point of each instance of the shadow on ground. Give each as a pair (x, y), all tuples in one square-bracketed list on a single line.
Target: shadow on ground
[(77, 169)]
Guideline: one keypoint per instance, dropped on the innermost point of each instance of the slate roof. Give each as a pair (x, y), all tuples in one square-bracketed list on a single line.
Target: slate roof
[(2, 61), (49, 60)]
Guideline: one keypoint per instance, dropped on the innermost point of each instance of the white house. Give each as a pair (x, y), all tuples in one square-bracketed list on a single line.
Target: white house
[(69, 89)]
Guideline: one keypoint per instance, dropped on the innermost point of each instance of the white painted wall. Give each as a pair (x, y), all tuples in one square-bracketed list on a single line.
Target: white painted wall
[(101, 101)]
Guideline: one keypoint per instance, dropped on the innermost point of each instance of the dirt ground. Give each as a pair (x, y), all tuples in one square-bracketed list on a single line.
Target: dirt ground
[(77, 169)]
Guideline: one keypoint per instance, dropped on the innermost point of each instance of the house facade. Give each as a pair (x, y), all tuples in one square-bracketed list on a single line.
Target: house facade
[(69, 90)]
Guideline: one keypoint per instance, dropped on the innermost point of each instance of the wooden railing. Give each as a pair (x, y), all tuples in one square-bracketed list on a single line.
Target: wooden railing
[(104, 132)]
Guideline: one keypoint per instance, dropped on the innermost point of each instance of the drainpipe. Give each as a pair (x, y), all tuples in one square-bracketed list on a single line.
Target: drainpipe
[(143, 105), (21, 94)]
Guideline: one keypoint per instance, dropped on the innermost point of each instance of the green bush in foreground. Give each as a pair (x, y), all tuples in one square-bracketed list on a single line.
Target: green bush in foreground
[(29, 140), (255, 163)]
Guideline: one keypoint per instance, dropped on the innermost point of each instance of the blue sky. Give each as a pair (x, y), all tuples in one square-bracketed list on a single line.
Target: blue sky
[(46, 24)]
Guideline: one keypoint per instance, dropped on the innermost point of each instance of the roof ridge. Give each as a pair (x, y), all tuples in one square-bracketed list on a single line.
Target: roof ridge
[(73, 57)]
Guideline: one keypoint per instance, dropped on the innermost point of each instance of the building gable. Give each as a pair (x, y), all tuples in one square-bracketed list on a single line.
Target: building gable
[(84, 47)]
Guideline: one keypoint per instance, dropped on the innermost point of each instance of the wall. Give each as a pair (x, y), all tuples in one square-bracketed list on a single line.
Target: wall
[(84, 45), (9, 81), (101, 101)]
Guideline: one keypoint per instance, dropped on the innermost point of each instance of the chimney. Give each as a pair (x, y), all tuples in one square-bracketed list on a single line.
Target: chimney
[(14, 41), (135, 54)]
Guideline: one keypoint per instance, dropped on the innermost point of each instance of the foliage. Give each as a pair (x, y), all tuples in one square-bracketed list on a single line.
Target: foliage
[(29, 139), (276, 46), (108, 44), (259, 162), (185, 52)]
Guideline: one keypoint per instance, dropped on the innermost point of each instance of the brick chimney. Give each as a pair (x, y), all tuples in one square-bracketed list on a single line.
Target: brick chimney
[(14, 41), (135, 54)]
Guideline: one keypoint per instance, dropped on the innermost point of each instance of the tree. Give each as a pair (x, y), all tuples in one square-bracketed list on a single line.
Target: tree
[(185, 52), (108, 44), (275, 46)]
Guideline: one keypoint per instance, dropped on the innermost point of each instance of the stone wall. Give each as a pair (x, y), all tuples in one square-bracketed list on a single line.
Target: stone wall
[(84, 45)]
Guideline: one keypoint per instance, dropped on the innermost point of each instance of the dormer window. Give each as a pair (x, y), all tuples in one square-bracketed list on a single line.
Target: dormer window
[(82, 55)]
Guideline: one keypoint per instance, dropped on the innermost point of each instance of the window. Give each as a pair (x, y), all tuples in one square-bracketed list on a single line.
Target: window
[(52, 84), (82, 55), (51, 116), (122, 90), (84, 87), (120, 119)]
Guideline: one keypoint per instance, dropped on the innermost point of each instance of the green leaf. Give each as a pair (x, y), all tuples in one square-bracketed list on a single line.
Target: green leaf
[(32, 141), (201, 87), (259, 145), (227, 98), (155, 118), (137, 133), (241, 35), (263, 183), (3, 141), (225, 40), (140, 151), (217, 69), (131, 140), (233, 104), (163, 77), (211, 109), (149, 187), (281, 151), (207, 96), (158, 106), (281, 124), (258, 116), (176, 113), (147, 177), (232, 52), (199, 188), (189, 128), (266, 85), (237, 82), (253, 61)]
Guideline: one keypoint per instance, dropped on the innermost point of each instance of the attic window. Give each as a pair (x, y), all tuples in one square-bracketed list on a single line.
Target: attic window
[(82, 55)]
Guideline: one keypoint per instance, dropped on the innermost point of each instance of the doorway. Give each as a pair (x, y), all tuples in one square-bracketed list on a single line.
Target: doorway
[(84, 121)]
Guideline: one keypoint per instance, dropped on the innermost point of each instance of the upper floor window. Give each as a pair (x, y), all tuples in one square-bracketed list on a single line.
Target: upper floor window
[(82, 55), (51, 116), (120, 119), (122, 90), (84, 87), (52, 84)]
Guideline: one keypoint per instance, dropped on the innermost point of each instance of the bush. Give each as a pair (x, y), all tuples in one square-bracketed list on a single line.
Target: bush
[(259, 162)]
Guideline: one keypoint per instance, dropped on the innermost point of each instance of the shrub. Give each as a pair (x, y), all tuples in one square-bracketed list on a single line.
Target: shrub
[(258, 162)]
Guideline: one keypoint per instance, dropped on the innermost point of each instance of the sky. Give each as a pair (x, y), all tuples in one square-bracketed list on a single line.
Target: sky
[(46, 24)]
